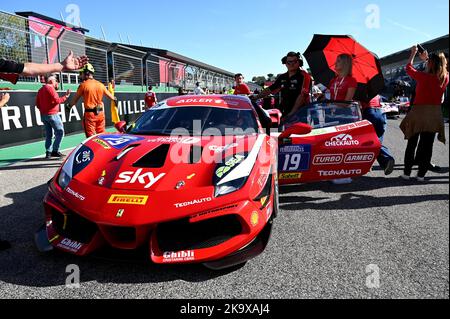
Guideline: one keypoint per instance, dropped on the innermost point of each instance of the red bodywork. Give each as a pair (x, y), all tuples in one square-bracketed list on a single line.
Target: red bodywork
[(129, 191), (124, 204)]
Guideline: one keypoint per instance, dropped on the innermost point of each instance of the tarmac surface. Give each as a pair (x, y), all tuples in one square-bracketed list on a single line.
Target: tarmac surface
[(378, 237)]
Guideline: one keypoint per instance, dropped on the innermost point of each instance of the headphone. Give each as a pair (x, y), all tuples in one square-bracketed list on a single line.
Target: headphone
[(297, 54)]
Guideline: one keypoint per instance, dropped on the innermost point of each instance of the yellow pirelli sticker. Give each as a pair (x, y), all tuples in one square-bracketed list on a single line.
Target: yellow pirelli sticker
[(290, 176), (128, 199), (102, 143)]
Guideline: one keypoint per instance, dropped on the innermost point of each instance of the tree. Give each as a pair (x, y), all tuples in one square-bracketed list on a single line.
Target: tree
[(260, 80)]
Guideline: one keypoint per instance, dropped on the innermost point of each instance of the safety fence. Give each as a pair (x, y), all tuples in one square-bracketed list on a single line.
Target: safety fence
[(35, 40)]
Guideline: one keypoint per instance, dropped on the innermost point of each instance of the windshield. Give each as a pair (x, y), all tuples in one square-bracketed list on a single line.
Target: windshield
[(195, 121), (320, 115)]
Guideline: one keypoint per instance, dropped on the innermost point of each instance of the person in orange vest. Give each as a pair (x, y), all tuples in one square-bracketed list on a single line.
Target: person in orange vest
[(92, 92)]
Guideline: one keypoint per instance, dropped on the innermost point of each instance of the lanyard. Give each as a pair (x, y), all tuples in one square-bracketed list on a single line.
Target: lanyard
[(336, 87)]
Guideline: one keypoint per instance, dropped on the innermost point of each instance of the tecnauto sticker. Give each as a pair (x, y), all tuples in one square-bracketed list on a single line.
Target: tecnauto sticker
[(130, 177), (193, 202)]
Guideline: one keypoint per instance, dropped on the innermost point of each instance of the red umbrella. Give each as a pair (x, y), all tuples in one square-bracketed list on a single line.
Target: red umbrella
[(321, 56)]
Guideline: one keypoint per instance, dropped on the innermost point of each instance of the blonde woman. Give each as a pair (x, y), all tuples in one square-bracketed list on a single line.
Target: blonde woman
[(343, 86), (425, 119)]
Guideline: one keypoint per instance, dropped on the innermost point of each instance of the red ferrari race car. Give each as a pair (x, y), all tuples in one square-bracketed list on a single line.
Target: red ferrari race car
[(195, 179)]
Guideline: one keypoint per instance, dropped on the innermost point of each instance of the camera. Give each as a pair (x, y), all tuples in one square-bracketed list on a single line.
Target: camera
[(420, 49)]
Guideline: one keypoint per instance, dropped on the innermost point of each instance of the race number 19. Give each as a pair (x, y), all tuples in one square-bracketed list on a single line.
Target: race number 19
[(292, 162)]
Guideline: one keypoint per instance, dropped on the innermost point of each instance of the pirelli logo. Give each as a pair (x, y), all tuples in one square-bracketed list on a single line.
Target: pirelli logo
[(128, 199)]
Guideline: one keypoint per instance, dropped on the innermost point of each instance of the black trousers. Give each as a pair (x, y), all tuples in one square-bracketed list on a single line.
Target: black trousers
[(421, 156)]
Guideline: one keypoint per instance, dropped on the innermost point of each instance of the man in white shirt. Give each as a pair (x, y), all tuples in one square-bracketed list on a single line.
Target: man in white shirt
[(198, 90)]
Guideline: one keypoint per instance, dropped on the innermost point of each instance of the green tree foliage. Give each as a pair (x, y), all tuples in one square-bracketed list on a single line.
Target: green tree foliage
[(13, 38)]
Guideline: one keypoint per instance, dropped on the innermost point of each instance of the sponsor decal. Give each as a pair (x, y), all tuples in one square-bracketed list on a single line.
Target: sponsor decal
[(341, 141), (229, 164), (254, 219), (193, 202), (120, 141), (128, 199), (102, 143), (359, 158), (180, 184), (75, 194), (346, 127), (341, 172), (196, 100), (328, 159), (101, 180), (219, 149), (170, 256), (81, 159), (286, 176), (213, 211), (70, 245), (120, 213), (294, 158), (131, 177), (182, 140)]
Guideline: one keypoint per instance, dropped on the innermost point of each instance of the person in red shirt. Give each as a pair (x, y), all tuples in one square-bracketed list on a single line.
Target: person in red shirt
[(48, 102), (343, 86), (241, 88), (425, 118), (150, 98)]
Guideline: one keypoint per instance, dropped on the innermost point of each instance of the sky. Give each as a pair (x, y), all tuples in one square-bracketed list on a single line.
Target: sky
[(250, 36)]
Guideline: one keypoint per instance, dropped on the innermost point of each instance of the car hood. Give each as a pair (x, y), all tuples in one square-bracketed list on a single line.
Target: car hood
[(153, 163)]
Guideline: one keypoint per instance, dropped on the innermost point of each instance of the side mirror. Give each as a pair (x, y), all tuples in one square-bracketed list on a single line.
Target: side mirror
[(275, 117), (121, 126), (297, 129)]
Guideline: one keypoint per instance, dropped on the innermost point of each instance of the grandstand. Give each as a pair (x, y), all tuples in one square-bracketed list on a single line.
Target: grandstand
[(32, 37)]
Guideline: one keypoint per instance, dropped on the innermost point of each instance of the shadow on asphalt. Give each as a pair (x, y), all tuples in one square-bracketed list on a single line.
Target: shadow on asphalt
[(24, 265), (30, 164), (352, 198)]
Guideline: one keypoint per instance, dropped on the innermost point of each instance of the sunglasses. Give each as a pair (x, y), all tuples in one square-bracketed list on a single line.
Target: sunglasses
[(291, 62)]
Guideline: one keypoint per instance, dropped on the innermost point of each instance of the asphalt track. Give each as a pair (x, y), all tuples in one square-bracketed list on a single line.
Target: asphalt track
[(322, 243)]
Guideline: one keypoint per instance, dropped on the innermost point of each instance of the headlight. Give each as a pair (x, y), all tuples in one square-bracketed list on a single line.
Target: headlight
[(64, 179), (230, 187)]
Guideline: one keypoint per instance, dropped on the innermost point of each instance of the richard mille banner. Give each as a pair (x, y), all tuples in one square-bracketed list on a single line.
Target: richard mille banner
[(20, 120)]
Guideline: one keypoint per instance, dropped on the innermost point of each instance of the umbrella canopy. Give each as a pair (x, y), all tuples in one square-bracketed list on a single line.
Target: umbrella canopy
[(321, 56)]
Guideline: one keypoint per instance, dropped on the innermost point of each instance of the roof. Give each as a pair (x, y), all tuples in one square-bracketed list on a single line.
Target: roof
[(180, 58), (438, 44), (27, 14), (220, 101)]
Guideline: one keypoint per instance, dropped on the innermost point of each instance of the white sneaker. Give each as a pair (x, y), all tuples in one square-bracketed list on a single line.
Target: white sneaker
[(405, 177)]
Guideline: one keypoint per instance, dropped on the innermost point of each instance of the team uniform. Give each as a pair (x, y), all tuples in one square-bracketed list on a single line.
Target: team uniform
[(150, 100), (291, 88), (94, 117), (242, 89), (10, 70), (339, 87)]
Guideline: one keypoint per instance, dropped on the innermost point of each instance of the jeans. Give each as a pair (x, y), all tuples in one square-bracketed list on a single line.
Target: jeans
[(378, 120), (53, 123)]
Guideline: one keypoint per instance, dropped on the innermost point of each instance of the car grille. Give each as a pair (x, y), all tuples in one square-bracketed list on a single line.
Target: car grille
[(182, 235), (73, 226)]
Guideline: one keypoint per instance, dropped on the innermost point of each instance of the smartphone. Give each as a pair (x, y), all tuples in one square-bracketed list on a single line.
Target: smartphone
[(420, 49)]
